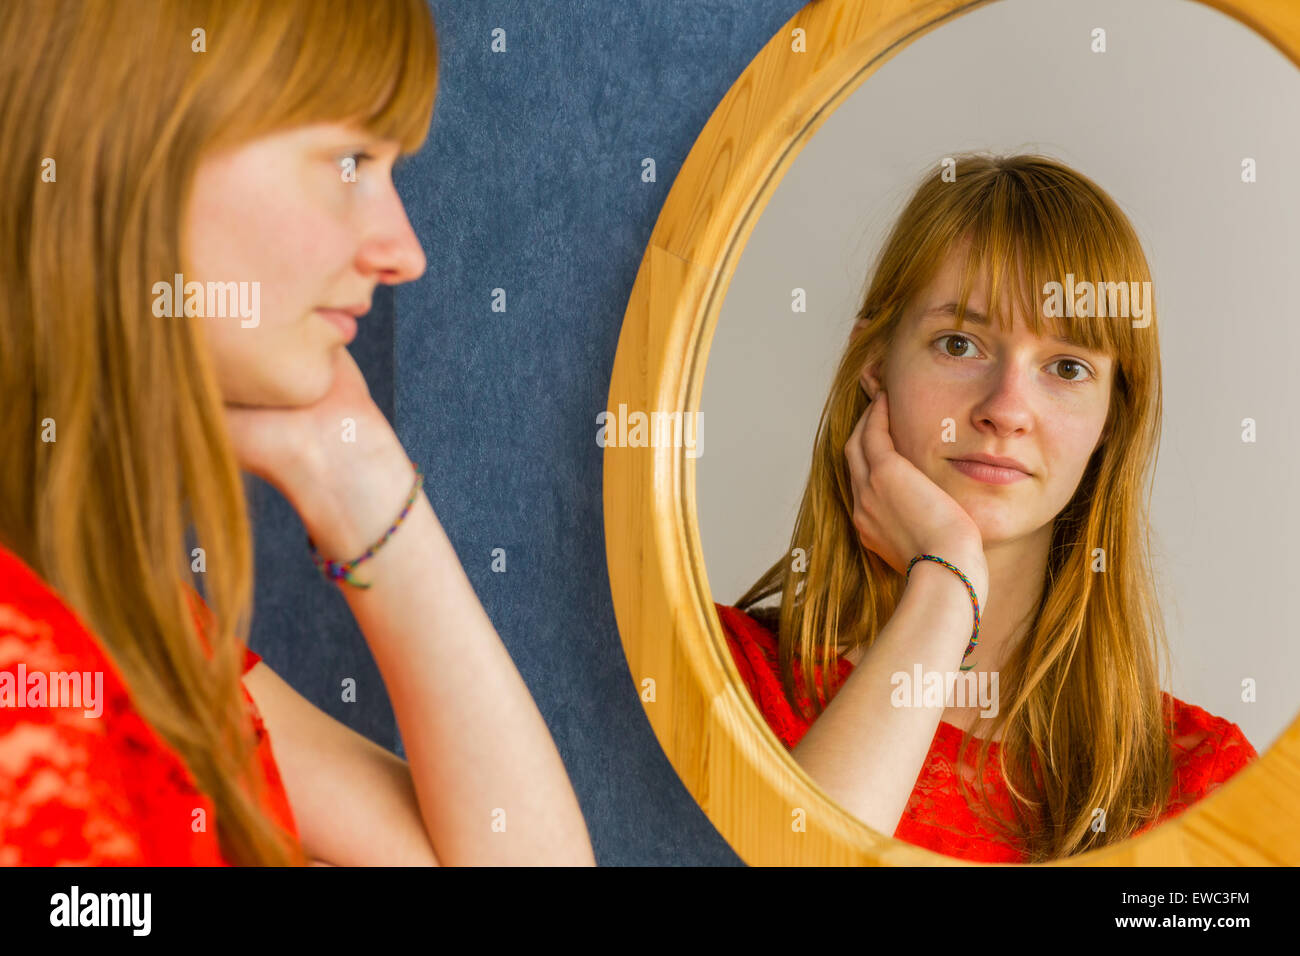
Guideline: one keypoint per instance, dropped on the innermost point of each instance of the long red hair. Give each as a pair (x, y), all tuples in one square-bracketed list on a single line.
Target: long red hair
[(119, 98), (1084, 689)]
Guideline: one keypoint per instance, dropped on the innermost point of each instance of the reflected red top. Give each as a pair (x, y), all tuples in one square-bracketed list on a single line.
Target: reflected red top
[(1207, 751), (100, 789)]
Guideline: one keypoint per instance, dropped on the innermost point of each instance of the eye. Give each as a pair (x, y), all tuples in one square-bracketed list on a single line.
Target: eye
[(943, 349), (357, 159), (1074, 366)]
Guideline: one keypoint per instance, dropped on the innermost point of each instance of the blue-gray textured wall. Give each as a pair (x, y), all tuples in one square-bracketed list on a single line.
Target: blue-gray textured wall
[(531, 182)]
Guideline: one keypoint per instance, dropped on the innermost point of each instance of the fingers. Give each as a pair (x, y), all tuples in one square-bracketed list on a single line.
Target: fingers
[(855, 452), (876, 443)]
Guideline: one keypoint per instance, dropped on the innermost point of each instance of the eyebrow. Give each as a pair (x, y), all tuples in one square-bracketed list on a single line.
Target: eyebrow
[(361, 139), (979, 318)]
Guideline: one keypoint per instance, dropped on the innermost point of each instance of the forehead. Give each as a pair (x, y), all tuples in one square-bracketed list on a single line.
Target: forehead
[(939, 310), (937, 303)]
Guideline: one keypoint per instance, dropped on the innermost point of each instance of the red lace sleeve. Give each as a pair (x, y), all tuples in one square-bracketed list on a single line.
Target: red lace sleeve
[(62, 794), (754, 649), (84, 779), (203, 619), (276, 799), (1208, 751)]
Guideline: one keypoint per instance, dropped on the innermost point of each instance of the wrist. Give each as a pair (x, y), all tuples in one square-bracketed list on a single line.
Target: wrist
[(347, 505), (968, 559), (942, 590)]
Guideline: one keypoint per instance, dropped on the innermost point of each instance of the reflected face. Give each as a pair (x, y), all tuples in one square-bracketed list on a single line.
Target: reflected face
[(1037, 400), (282, 212)]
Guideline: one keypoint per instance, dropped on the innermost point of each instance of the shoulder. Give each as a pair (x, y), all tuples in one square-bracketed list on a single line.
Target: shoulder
[(1208, 750), (61, 795), (82, 775), (39, 631), (754, 648), (744, 632), (756, 651), (33, 614)]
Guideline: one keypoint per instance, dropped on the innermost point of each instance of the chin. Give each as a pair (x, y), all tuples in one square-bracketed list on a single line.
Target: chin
[(298, 386), (302, 395), (996, 524)]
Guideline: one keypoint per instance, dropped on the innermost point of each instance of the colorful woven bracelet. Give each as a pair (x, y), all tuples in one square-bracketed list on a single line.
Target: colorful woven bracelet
[(343, 571), (974, 600)]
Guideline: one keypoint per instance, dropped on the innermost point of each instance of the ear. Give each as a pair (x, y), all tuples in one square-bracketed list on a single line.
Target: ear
[(869, 379)]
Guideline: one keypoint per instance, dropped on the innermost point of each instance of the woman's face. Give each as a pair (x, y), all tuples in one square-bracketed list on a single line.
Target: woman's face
[(281, 217), (1013, 395)]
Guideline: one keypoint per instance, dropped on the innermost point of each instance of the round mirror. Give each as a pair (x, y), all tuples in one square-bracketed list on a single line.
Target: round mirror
[(960, 265)]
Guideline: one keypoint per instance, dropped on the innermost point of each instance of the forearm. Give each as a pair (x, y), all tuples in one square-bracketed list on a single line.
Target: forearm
[(491, 785), (864, 751)]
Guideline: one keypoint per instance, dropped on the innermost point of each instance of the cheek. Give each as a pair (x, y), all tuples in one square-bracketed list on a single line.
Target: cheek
[(1067, 453), (231, 350), (271, 364), (917, 426), (246, 225), (323, 245), (307, 259)]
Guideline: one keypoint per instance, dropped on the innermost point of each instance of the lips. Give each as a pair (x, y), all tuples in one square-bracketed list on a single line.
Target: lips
[(978, 469), (345, 322), (996, 461), (356, 311)]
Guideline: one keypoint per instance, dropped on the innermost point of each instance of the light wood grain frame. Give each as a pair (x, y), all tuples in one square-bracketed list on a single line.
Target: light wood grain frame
[(719, 744)]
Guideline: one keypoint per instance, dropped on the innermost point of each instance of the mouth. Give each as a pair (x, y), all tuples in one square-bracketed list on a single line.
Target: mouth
[(982, 470), (342, 319)]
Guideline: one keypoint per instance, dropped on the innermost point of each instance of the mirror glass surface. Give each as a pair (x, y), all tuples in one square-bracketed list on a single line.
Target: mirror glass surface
[(1182, 109)]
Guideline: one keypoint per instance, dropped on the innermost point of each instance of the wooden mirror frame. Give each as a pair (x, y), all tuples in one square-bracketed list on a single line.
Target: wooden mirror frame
[(718, 742)]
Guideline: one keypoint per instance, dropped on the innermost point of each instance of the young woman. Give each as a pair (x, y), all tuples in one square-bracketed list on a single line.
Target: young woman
[(248, 150), (1011, 443)]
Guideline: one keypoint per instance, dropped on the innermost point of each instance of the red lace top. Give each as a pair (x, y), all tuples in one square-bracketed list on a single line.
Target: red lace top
[(93, 784), (1207, 751)]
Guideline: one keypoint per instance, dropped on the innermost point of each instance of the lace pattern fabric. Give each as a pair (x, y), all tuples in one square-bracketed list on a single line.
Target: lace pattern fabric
[(103, 789), (1208, 750)]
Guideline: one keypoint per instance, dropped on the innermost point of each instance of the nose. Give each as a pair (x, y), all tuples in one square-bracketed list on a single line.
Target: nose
[(1006, 406), (391, 252)]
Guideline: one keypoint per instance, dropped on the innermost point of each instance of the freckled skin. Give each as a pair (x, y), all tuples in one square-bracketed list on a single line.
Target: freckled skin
[(277, 211)]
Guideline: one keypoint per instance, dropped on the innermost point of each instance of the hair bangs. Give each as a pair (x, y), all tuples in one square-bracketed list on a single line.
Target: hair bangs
[(375, 67), (400, 49), (1033, 240)]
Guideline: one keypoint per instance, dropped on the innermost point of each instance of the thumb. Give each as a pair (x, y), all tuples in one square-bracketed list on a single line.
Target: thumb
[(876, 439)]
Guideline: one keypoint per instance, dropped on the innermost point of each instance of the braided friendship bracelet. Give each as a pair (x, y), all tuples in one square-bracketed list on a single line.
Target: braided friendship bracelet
[(343, 571), (974, 600)]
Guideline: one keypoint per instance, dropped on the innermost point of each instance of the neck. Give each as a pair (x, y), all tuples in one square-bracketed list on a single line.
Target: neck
[(1016, 578)]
